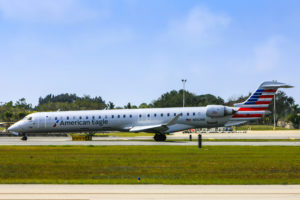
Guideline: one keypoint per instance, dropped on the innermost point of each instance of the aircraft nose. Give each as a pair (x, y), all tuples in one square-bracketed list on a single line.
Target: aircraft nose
[(11, 128), (14, 127)]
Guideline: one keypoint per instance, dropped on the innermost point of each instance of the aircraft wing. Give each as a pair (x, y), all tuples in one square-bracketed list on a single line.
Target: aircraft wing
[(156, 127), (234, 123)]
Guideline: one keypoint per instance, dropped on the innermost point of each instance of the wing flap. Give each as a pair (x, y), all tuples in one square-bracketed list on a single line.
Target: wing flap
[(235, 123)]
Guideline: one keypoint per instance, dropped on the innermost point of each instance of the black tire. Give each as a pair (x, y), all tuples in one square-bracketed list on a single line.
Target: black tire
[(24, 138), (160, 137), (157, 137)]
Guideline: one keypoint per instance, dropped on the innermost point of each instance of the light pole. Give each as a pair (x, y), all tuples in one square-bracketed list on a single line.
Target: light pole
[(299, 121), (274, 111), (183, 96)]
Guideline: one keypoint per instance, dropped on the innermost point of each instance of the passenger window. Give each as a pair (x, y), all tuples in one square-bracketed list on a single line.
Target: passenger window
[(118, 116), (174, 114), (124, 116), (168, 114), (140, 116), (161, 115), (55, 118), (112, 116), (99, 117), (68, 118), (86, 117), (155, 115), (188, 114), (130, 116), (93, 117), (148, 115), (194, 114), (80, 117)]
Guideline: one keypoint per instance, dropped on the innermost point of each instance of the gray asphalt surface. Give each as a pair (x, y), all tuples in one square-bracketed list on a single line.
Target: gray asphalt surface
[(39, 141), (248, 135), (294, 134), (141, 192)]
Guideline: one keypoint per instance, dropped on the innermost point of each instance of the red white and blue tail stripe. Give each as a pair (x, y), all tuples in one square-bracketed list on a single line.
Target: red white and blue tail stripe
[(257, 104)]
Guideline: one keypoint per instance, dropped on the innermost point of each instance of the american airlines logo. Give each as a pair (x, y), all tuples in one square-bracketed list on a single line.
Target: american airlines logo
[(55, 124), (81, 123)]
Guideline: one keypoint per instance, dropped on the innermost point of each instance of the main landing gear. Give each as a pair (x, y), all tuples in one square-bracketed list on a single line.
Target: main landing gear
[(160, 137), (24, 137)]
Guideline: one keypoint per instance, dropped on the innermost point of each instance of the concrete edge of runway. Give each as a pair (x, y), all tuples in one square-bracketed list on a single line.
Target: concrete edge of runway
[(140, 143), (140, 188)]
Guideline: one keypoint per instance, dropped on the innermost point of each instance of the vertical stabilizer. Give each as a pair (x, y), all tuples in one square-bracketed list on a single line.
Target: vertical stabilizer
[(257, 104)]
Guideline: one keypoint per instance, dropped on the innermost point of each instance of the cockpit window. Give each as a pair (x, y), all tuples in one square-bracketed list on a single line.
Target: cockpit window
[(29, 118)]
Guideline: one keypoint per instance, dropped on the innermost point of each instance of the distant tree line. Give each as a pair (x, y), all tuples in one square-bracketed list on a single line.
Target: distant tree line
[(13, 112), (70, 102), (286, 107)]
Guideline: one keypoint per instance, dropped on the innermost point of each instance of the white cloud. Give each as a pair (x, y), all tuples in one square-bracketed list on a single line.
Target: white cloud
[(199, 23), (45, 10), (267, 54)]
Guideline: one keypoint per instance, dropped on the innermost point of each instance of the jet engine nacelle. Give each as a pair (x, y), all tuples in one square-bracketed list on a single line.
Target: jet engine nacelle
[(219, 111)]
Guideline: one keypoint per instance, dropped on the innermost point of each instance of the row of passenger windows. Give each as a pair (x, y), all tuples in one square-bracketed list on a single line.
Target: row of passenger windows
[(168, 114), (124, 116)]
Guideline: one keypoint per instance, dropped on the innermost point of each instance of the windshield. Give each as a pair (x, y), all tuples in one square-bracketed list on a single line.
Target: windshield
[(29, 118)]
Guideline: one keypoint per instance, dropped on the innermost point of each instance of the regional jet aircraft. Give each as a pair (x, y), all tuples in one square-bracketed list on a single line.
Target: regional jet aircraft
[(160, 121)]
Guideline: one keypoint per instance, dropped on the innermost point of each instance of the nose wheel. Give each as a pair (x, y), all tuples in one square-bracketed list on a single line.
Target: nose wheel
[(24, 137), (160, 137)]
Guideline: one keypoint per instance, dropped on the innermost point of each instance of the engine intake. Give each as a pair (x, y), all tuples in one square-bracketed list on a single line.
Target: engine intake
[(219, 111)]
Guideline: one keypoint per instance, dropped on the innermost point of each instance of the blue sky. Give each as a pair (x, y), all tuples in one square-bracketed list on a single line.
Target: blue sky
[(135, 50)]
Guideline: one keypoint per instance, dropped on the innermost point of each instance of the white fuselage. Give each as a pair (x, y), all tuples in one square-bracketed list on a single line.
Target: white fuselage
[(117, 120), (157, 120)]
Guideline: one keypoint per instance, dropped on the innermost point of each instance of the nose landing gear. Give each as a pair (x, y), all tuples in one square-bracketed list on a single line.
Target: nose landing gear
[(24, 137), (160, 137)]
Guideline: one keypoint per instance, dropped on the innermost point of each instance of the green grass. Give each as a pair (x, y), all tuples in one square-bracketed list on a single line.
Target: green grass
[(154, 164), (251, 140), (259, 128), (215, 140), (225, 140)]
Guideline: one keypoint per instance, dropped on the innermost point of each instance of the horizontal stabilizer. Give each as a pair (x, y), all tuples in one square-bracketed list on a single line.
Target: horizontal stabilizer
[(274, 84)]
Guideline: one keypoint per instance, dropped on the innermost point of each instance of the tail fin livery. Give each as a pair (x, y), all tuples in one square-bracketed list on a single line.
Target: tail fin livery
[(257, 104)]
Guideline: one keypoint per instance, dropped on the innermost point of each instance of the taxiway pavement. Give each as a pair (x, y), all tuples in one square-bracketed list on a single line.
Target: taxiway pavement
[(141, 192), (42, 141), (148, 140)]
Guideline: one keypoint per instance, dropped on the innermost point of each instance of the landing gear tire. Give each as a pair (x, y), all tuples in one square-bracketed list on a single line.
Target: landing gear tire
[(24, 137), (160, 137)]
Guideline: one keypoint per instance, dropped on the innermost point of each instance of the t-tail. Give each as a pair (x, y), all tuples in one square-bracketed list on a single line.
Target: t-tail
[(257, 104)]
